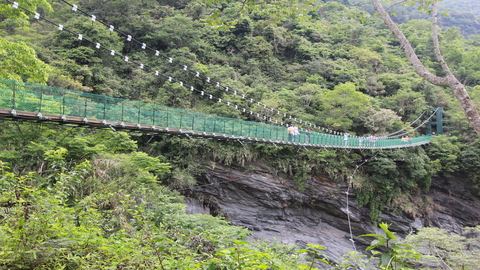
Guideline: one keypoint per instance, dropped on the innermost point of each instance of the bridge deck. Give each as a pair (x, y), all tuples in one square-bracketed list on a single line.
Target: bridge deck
[(81, 121), (28, 101)]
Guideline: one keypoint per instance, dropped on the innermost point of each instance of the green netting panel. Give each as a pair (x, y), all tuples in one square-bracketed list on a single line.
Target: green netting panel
[(262, 133), (185, 122), (10, 84), (212, 126), (27, 101), (112, 113), (173, 121), (161, 119), (51, 104), (241, 130), (199, 124), (252, 131), (223, 126), (129, 114), (73, 107), (228, 127), (6, 97), (95, 110), (148, 114)]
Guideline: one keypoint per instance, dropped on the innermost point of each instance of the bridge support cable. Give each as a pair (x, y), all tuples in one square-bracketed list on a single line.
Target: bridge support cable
[(422, 124), (347, 193), (142, 66), (143, 45), (411, 124), (85, 109)]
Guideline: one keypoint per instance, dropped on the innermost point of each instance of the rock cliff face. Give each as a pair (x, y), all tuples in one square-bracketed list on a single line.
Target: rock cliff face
[(272, 208)]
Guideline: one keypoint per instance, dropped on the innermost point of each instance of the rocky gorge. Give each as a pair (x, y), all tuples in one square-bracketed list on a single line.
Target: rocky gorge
[(267, 203)]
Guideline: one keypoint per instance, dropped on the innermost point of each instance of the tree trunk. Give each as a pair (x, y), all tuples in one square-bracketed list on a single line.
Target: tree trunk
[(449, 80)]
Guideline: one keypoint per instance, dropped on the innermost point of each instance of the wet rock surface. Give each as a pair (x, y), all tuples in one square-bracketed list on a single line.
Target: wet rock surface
[(271, 207)]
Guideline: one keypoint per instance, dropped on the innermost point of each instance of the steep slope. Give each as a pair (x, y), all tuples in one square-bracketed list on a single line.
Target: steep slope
[(272, 208)]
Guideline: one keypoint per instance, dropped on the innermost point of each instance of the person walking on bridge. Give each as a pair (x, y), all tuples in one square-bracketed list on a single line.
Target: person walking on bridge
[(295, 133), (345, 138), (290, 133), (360, 141)]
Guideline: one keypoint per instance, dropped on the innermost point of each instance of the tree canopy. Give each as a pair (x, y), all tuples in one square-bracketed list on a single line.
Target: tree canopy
[(326, 62)]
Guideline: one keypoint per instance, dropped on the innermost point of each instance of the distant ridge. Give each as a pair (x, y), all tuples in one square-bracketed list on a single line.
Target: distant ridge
[(470, 6), (464, 14)]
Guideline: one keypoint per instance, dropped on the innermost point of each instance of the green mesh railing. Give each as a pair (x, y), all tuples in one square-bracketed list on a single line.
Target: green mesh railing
[(21, 96)]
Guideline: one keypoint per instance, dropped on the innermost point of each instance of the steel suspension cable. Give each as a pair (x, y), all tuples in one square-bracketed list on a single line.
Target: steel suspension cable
[(186, 68), (411, 124), (423, 123), (142, 66)]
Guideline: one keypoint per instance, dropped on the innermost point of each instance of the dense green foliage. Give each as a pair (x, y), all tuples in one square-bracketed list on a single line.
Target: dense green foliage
[(292, 64), (84, 199), (80, 198)]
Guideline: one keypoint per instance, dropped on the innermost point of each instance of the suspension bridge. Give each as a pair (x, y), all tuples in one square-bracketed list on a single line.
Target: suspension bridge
[(28, 101)]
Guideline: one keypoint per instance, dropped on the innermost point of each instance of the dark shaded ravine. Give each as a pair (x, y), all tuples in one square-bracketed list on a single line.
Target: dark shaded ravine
[(272, 208)]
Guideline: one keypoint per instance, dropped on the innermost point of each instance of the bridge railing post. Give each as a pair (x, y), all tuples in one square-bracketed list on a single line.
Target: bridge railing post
[(104, 107), (122, 110), (62, 105), (40, 103), (138, 118), (14, 98)]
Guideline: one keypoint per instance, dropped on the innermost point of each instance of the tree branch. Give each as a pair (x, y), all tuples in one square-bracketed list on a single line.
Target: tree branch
[(407, 47), (436, 43), (449, 80)]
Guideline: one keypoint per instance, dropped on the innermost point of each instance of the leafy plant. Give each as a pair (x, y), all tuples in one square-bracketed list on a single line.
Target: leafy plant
[(393, 253), (315, 255)]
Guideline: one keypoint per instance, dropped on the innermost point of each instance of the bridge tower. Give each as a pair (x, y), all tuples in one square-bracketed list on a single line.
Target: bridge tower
[(436, 124)]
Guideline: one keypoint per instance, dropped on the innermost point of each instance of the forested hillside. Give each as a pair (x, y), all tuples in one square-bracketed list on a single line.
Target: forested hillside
[(464, 14), (79, 198), (470, 6)]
